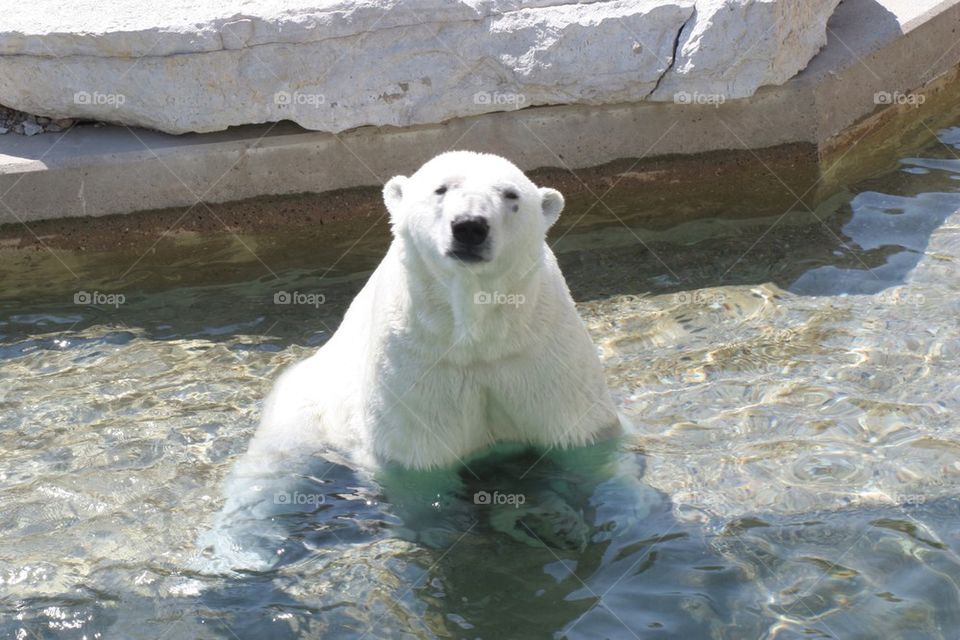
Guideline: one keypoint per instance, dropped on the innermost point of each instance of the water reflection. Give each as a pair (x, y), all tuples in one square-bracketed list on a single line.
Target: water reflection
[(794, 400)]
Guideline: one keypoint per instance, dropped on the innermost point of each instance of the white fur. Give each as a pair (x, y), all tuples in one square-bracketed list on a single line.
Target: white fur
[(421, 374)]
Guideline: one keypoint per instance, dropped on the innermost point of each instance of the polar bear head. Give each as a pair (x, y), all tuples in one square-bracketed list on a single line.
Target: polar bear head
[(471, 210)]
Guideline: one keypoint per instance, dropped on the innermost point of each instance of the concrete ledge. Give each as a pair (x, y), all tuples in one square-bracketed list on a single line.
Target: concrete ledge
[(894, 48)]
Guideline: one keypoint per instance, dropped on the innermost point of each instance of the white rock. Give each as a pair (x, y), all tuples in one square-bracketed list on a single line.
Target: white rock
[(333, 65), (733, 47), (31, 128)]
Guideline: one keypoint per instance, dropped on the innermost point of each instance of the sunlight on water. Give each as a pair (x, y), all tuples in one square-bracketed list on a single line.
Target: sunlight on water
[(793, 386)]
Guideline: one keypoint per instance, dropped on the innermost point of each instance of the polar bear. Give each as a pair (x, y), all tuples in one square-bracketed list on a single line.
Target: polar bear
[(465, 336)]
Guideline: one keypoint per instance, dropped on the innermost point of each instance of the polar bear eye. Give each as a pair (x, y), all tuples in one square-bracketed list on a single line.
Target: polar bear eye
[(510, 194), (441, 190)]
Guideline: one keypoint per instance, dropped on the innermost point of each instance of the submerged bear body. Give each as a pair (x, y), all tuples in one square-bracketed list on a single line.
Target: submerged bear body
[(464, 337)]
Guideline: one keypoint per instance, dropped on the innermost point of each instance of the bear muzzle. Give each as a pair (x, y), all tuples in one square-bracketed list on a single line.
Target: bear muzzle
[(470, 238)]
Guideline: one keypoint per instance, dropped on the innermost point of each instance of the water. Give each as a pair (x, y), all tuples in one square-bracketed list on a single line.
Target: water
[(794, 386)]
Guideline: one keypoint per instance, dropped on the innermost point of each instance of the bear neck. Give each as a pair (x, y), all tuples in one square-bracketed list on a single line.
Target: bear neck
[(477, 315)]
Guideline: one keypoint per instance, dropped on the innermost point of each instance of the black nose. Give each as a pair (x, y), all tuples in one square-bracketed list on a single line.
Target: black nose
[(470, 231)]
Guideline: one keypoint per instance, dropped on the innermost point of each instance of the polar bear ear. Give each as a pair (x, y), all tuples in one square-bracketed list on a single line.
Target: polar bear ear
[(393, 195), (551, 201)]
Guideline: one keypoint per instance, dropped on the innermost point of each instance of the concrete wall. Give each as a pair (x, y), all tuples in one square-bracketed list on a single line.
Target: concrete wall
[(879, 56)]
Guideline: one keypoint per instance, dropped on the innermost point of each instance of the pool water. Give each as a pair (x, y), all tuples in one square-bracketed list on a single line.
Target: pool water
[(792, 378)]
